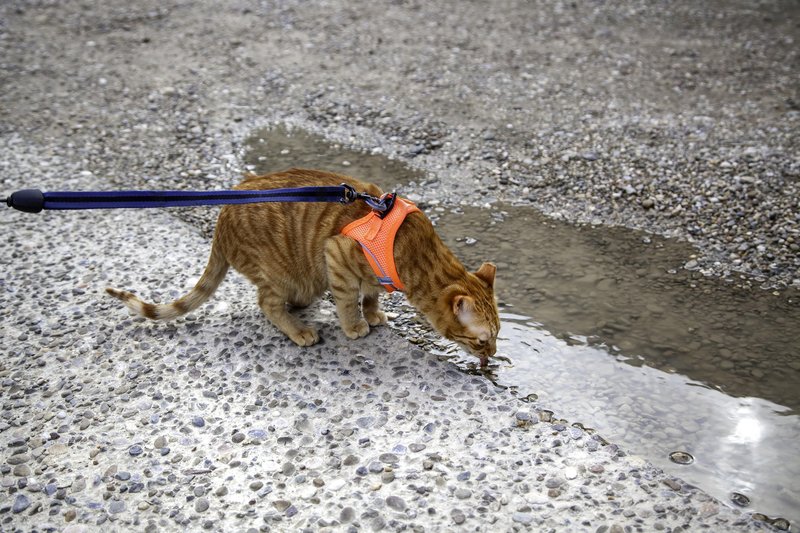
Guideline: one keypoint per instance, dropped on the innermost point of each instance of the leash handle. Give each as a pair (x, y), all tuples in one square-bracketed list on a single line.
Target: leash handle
[(27, 200)]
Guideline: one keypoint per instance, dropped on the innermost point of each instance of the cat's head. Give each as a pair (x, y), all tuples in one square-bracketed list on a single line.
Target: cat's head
[(468, 313)]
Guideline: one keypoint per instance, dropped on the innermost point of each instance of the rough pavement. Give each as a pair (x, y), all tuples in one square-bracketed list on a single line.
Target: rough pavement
[(676, 118)]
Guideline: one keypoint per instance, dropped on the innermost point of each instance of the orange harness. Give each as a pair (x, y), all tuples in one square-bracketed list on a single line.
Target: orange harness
[(376, 237)]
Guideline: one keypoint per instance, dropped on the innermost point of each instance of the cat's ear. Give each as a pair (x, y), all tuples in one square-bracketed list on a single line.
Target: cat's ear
[(486, 273), (463, 306)]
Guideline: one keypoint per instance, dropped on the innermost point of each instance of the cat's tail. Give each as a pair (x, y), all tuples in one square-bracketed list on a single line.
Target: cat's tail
[(212, 276)]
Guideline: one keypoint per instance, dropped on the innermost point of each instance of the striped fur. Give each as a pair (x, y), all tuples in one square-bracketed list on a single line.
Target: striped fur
[(293, 252)]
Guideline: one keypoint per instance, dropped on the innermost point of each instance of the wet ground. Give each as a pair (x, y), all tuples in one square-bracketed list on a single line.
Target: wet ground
[(617, 327)]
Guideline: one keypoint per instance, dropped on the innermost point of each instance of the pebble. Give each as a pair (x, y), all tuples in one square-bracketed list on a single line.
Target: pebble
[(21, 471), (135, 450), (79, 484), (365, 422), (337, 484), (18, 459), (281, 505), (347, 514), (116, 507), (553, 483), (201, 505), (198, 421), (396, 503), (462, 493), (21, 502), (522, 518)]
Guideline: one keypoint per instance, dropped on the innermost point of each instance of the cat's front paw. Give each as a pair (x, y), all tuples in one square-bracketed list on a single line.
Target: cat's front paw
[(375, 318), (305, 336), (358, 330)]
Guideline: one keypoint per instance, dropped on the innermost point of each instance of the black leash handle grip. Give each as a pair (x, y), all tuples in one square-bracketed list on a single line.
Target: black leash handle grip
[(27, 200)]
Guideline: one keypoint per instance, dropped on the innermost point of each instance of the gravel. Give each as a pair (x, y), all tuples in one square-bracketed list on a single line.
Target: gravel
[(566, 108)]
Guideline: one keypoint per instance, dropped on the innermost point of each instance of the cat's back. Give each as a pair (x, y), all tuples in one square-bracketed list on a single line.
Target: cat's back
[(294, 230)]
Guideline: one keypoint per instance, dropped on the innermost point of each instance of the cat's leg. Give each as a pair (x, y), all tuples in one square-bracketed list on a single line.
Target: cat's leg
[(273, 305), (371, 307), (344, 282)]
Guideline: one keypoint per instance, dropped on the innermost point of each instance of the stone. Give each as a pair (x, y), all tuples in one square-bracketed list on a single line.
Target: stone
[(201, 505), (21, 471), (522, 518), (396, 503), (21, 502), (462, 494)]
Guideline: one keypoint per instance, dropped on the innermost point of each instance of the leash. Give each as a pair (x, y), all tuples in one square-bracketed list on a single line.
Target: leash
[(34, 200)]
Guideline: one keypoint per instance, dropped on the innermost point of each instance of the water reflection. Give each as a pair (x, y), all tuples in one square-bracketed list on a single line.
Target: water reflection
[(748, 429)]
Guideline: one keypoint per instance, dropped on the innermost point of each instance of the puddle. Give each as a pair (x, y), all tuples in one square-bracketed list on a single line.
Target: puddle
[(273, 149), (658, 358), (605, 324), (614, 287)]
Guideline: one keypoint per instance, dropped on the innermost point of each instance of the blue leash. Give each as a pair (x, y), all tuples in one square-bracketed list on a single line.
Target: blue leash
[(34, 200)]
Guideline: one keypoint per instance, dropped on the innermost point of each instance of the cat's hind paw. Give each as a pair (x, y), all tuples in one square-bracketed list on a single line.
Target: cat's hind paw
[(305, 337), (358, 330), (376, 318)]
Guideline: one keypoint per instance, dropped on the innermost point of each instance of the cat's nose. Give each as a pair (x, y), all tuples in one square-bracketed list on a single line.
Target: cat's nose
[(491, 348)]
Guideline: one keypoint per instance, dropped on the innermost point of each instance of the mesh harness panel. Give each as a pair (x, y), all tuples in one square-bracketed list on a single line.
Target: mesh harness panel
[(376, 237)]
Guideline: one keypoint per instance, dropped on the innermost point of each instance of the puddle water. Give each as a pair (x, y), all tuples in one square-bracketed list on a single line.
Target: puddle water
[(273, 149), (658, 362), (614, 287), (605, 324)]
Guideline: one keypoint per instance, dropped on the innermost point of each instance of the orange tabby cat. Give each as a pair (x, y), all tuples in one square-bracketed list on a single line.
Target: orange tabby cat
[(293, 252)]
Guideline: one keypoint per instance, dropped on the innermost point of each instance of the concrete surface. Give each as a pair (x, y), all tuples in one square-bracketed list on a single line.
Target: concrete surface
[(677, 118)]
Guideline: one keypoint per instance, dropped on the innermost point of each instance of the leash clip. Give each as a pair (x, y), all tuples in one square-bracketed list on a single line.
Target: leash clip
[(381, 205)]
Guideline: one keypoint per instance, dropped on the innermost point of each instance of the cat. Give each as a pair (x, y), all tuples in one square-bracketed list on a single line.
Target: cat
[(294, 252)]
